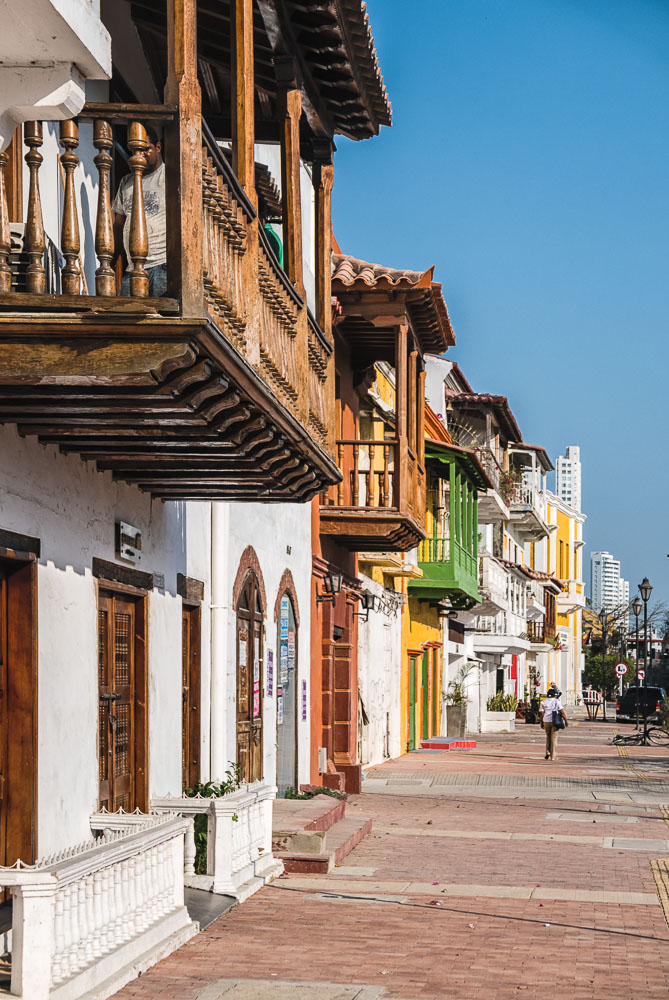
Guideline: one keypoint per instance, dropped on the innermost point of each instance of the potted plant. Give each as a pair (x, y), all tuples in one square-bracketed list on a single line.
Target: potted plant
[(456, 703), (500, 714)]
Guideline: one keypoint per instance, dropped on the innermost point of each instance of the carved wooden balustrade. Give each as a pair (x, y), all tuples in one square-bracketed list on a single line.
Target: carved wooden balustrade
[(369, 475), (230, 344)]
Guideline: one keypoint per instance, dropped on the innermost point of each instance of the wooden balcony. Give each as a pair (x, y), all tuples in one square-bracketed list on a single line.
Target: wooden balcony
[(217, 390), (380, 502), (542, 632), (450, 572)]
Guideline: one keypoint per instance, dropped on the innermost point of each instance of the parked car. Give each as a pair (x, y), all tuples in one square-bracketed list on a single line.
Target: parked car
[(653, 698)]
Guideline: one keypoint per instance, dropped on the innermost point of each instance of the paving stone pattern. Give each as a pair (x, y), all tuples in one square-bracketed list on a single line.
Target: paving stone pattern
[(421, 913)]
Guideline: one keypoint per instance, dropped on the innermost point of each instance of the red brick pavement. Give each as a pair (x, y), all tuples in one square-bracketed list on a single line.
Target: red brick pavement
[(470, 948)]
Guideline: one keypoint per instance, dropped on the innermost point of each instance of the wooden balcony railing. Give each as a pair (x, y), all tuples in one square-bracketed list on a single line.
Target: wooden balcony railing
[(369, 475), (320, 350), (434, 550), (541, 631), (241, 287)]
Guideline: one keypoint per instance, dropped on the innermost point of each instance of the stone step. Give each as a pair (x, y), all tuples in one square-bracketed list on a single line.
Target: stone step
[(299, 825), (338, 843)]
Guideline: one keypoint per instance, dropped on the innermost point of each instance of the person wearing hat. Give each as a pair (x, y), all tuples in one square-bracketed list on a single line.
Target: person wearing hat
[(550, 707)]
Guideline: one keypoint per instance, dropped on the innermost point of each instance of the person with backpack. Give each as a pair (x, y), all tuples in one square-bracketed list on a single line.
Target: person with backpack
[(553, 720)]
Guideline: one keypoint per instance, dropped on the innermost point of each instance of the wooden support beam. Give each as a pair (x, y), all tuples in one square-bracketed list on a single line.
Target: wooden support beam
[(243, 125), (183, 135), (323, 179), (289, 102)]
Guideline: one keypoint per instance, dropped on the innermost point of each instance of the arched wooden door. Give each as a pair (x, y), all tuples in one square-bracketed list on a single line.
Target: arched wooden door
[(250, 620)]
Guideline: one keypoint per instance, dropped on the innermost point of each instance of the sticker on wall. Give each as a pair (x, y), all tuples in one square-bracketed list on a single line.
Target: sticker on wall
[(304, 701), (270, 673), (279, 706)]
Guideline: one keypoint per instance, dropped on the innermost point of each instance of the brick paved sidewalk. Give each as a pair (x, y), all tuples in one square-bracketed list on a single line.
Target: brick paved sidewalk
[(485, 897)]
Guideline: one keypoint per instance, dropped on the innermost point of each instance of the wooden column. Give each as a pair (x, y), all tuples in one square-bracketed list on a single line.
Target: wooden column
[(183, 175), (289, 102), (103, 140), (323, 179), (421, 417), (243, 120), (413, 361), (402, 457)]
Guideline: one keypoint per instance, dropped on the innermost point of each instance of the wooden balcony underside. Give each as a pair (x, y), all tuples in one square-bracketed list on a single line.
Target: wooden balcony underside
[(167, 404), (371, 529)]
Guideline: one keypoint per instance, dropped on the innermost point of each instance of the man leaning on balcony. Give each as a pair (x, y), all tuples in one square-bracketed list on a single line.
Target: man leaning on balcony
[(153, 187)]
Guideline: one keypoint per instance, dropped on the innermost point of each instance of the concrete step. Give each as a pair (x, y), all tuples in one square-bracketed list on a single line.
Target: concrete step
[(339, 841), (300, 825), (447, 743)]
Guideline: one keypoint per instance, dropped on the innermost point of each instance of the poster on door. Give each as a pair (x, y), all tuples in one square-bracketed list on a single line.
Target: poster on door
[(242, 652), (256, 689), (279, 705), (304, 701), (291, 649), (283, 620), (283, 663)]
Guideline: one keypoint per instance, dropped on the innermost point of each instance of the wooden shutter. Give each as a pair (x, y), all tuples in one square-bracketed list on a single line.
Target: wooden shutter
[(190, 696), (250, 682), (116, 674)]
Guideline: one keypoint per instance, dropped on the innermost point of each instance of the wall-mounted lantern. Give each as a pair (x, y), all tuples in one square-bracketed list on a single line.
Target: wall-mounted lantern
[(332, 586), (369, 603)]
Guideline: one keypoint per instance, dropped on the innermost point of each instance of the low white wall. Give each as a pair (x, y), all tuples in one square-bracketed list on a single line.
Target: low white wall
[(379, 669), (72, 509)]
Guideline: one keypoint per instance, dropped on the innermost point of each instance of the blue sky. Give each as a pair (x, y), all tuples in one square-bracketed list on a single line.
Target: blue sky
[(529, 161)]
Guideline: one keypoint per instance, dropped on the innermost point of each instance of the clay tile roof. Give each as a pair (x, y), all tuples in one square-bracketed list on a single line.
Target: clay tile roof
[(542, 454), (499, 403), (425, 302)]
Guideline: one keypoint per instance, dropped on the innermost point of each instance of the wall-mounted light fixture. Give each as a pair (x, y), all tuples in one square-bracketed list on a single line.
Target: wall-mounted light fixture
[(332, 586), (369, 603)]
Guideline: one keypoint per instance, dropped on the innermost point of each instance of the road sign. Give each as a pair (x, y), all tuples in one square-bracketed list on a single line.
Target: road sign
[(641, 674), (621, 669)]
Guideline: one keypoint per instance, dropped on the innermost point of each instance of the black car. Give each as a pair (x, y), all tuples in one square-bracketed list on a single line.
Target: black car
[(652, 701)]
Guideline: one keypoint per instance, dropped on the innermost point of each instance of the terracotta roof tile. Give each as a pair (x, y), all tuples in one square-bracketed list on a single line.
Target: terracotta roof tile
[(499, 403)]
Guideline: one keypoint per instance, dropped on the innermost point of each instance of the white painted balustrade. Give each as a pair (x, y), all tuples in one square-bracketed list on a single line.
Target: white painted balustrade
[(239, 839), (83, 916)]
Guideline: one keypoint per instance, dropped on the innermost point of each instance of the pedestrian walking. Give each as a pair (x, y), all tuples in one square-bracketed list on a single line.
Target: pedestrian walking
[(551, 710)]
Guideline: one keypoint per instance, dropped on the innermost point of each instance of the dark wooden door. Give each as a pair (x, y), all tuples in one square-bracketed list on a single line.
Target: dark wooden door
[(116, 674), (4, 681), (250, 681), (412, 703), (190, 696)]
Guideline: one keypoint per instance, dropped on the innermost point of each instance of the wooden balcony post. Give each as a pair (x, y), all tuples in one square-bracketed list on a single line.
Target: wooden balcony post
[(421, 417), (289, 103), (33, 239), (183, 160), (103, 140), (5, 239), (70, 242), (323, 179), (138, 242), (243, 120), (412, 404), (402, 459)]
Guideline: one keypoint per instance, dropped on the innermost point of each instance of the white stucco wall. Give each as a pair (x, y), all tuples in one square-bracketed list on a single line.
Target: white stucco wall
[(72, 508), (379, 672), (272, 529)]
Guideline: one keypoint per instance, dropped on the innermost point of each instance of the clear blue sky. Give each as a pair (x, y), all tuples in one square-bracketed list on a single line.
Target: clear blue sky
[(529, 161)]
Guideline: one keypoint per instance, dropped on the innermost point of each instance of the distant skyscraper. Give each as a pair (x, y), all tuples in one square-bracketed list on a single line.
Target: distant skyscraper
[(568, 477), (607, 587)]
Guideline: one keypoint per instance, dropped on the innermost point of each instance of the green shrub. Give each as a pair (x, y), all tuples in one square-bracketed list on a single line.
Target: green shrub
[(501, 702)]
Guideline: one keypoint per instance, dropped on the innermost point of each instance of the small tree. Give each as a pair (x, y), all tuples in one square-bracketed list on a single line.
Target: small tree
[(603, 675)]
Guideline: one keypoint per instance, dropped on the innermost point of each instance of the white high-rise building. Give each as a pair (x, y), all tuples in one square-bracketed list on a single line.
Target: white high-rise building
[(607, 587), (568, 477)]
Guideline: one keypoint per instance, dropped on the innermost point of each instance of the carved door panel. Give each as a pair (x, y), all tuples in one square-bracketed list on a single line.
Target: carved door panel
[(249, 682), (4, 680), (190, 696), (116, 675)]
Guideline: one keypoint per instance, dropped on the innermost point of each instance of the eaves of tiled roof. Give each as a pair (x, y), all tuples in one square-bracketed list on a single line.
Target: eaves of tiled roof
[(499, 403), (424, 295), (541, 454)]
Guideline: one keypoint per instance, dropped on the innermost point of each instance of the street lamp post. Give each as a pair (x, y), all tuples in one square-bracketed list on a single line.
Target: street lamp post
[(636, 608), (603, 617), (645, 589)]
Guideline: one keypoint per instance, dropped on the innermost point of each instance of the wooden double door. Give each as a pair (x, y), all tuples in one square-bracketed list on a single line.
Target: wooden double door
[(122, 702), (250, 623)]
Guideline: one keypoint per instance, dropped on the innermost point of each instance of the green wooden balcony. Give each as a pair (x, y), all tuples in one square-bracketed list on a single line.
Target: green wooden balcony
[(449, 571)]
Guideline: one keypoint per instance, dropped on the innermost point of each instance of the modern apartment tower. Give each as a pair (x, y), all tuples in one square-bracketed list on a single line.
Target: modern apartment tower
[(568, 477), (607, 587)]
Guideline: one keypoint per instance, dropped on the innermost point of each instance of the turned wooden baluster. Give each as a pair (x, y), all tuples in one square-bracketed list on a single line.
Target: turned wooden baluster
[(368, 477), (105, 279), (355, 483), (33, 238), (139, 238), (70, 243), (385, 488), (340, 484), (5, 238)]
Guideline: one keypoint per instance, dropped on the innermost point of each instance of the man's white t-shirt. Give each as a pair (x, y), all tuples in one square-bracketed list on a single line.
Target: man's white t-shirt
[(548, 706), (153, 186)]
